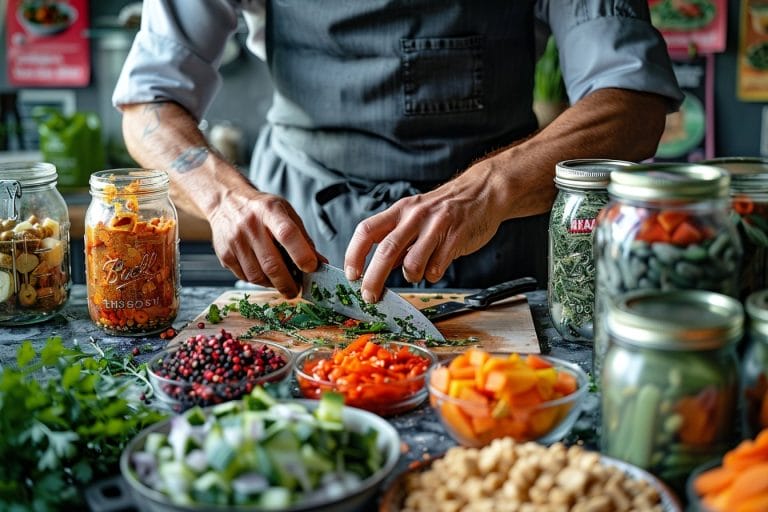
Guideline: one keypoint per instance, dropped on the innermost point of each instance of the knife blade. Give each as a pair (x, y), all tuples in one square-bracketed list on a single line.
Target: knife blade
[(481, 299), (329, 287)]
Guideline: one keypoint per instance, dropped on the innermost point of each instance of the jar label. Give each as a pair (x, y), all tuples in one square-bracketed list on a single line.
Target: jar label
[(131, 273), (581, 225)]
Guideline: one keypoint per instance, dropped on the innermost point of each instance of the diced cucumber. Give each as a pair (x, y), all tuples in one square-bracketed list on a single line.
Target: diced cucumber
[(315, 461), (275, 498), (211, 480), (225, 408), (176, 477), (260, 399), (220, 453), (195, 416), (153, 442), (330, 407)]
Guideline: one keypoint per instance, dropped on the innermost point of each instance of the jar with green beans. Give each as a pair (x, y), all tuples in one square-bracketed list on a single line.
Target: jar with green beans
[(666, 227), (582, 192), (670, 382), (755, 365), (749, 212)]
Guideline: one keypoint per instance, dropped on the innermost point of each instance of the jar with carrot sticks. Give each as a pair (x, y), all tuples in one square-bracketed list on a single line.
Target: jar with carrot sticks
[(131, 252), (670, 382), (755, 365), (666, 227), (749, 212)]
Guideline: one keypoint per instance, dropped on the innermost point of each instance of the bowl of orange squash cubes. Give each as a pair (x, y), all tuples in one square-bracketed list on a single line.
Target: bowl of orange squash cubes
[(480, 396)]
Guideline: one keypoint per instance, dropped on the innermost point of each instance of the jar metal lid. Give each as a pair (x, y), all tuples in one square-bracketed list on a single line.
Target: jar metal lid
[(586, 173), (757, 311), (676, 320), (748, 174), (129, 181), (678, 181), (29, 173)]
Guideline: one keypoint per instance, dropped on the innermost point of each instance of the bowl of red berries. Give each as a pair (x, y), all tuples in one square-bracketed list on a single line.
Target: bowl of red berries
[(210, 369)]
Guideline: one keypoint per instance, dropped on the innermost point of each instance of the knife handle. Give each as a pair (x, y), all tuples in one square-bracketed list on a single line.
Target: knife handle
[(490, 295)]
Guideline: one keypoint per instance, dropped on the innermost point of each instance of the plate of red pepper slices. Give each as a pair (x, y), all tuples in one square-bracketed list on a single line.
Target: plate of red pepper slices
[(384, 377)]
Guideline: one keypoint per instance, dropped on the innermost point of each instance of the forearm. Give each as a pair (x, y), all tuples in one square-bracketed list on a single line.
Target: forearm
[(165, 136), (609, 123)]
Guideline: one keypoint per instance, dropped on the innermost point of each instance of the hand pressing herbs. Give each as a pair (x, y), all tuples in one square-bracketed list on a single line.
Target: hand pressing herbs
[(65, 416)]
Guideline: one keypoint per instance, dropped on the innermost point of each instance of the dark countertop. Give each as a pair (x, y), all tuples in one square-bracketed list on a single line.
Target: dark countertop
[(419, 429)]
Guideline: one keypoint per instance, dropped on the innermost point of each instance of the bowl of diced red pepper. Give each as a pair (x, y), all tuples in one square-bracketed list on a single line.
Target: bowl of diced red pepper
[(384, 377), (480, 396), (205, 370)]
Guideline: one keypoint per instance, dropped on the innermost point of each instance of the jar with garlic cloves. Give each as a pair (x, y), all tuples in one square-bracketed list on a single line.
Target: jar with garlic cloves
[(35, 275)]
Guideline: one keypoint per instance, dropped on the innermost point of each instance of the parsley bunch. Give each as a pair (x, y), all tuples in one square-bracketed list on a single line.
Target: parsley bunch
[(65, 417)]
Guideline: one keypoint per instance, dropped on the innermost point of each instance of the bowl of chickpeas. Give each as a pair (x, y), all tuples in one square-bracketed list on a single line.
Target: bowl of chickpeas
[(507, 475)]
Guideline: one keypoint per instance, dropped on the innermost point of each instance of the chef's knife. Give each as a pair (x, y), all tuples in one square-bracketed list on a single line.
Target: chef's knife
[(329, 287), (481, 299)]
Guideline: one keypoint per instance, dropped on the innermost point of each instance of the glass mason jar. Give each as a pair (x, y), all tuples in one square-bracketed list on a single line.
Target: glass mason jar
[(666, 227), (749, 212), (755, 365), (671, 380), (582, 192), (35, 275), (131, 252)]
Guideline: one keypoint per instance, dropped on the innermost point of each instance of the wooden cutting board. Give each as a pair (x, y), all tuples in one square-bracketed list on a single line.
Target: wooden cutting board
[(504, 327)]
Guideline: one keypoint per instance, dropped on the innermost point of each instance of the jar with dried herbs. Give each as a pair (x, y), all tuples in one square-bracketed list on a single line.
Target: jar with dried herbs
[(35, 275), (582, 193), (131, 252)]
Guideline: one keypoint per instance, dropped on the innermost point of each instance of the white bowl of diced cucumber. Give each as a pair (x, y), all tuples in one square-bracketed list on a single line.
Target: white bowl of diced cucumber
[(259, 453)]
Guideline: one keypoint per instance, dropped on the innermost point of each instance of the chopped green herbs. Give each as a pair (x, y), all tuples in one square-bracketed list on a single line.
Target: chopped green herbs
[(65, 417)]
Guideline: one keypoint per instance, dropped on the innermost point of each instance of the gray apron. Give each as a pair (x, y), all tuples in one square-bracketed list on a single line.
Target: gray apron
[(377, 100)]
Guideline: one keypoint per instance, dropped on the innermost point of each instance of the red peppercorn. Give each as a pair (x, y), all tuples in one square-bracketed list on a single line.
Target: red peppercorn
[(201, 325)]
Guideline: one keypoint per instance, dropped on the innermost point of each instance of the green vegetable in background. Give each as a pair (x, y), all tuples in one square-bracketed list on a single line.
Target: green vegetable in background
[(65, 416), (548, 85)]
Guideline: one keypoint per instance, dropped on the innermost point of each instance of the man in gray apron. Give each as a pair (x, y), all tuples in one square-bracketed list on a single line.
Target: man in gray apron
[(397, 133)]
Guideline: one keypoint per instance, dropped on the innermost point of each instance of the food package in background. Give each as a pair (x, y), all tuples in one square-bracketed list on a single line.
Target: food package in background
[(72, 143)]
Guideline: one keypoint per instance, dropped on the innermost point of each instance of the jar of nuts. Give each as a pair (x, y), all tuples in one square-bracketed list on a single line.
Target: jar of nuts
[(34, 244), (131, 252)]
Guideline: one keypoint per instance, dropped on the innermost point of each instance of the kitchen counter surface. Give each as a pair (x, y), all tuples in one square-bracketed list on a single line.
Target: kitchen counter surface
[(420, 429)]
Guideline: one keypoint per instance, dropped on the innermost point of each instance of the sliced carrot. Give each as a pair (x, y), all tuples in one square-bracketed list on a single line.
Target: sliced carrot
[(536, 362), (686, 234), (652, 233), (743, 205), (440, 379), (714, 480), (757, 503), (670, 219), (457, 420), (566, 383), (466, 372), (749, 483), (477, 357), (496, 381), (460, 361)]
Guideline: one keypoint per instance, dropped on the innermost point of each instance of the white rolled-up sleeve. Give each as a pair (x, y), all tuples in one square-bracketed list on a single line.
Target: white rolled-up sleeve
[(610, 44), (176, 54)]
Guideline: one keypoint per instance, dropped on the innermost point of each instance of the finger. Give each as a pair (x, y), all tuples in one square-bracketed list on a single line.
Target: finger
[(386, 257), (274, 267), (367, 233), (300, 248), (420, 252)]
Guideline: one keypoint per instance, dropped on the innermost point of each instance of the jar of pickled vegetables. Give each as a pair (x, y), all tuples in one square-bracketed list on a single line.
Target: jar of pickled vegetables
[(582, 192), (131, 252), (749, 212), (755, 365), (670, 382), (666, 227), (35, 274)]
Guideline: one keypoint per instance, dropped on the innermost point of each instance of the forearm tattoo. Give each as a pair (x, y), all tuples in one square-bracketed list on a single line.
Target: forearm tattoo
[(190, 159), (152, 110)]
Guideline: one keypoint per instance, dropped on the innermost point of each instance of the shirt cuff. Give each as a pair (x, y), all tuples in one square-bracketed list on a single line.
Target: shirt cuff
[(160, 69), (628, 54)]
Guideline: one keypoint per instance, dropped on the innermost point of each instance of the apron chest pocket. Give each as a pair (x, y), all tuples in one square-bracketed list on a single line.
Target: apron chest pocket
[(442, 75)]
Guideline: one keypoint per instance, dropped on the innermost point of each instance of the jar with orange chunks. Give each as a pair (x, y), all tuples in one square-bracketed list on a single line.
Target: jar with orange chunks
[(131, 252), (755, 365)]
